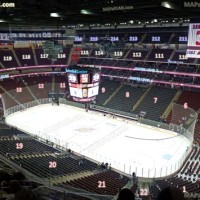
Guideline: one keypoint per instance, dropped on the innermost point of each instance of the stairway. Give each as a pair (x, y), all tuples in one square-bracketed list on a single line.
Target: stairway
[(16, 58), (1, 65), (127, 53), (112, 95), (169, 108), (140, 100), (30, 91), (71, 177), (149, 52), (69, 57), (172, 54), (34, 56), (53, 84)]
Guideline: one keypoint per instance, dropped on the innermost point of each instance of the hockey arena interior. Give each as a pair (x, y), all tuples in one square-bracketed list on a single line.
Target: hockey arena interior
[(99, 96)]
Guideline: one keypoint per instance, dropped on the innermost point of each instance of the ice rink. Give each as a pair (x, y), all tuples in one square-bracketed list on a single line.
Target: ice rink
[(127, 146)]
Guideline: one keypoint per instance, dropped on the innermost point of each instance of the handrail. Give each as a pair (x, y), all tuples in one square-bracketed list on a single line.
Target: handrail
[(28, 174)]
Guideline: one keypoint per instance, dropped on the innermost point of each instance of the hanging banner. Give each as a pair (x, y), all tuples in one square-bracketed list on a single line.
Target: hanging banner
[(193, 48)]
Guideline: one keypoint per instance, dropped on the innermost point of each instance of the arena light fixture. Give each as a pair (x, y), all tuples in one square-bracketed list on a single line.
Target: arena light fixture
[(17, 19), (55, 15), (168, 5), (86, 12)]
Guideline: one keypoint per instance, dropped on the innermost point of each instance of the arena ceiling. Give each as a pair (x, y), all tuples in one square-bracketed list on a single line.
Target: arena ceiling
[(66, 12)]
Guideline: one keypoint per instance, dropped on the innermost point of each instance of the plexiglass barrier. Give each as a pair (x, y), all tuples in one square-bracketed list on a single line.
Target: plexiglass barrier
[(183, 123)]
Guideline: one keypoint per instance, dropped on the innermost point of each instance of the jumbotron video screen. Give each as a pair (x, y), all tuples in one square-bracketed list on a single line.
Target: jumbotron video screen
[(83, 83)]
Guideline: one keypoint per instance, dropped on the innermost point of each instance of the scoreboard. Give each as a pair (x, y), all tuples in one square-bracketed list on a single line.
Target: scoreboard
[(83, 83)]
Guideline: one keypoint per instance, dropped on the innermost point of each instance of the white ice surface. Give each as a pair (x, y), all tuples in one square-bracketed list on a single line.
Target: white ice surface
[(127, 146)]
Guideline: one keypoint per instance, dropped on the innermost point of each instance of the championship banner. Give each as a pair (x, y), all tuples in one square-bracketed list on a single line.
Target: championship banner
[(193, 48)]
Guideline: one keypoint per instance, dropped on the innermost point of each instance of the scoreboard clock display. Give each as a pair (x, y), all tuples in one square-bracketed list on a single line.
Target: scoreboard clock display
[(76, 92), (83, 83), (93, 91), (84, 78)]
